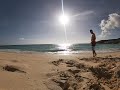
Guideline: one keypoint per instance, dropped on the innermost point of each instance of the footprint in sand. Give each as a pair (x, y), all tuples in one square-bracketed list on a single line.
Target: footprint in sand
[(11, 68)]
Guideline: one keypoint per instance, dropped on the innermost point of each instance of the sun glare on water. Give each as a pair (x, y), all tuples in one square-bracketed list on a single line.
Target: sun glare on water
[(64, 46)]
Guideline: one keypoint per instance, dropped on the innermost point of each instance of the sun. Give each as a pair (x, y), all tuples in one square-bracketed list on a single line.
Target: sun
[(64, 19)]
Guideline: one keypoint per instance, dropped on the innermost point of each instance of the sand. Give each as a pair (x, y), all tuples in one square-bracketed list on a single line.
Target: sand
[(41, 71)]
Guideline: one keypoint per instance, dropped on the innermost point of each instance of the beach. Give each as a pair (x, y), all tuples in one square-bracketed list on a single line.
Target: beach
[(59, 44), (43, 71)]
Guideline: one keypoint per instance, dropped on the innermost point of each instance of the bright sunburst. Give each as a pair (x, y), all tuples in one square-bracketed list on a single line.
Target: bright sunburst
[(64, 19)]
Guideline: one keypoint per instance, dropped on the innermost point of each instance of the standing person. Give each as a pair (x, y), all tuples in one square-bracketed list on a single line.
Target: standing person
[(93, 42)]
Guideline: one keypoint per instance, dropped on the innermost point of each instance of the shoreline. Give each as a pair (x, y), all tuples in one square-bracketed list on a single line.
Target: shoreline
[(59, 52)]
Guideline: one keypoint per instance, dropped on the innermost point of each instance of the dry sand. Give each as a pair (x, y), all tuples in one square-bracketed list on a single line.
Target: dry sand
[(38, 71)]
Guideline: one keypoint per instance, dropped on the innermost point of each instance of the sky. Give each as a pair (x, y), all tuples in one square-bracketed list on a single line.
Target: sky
[(37, 21)]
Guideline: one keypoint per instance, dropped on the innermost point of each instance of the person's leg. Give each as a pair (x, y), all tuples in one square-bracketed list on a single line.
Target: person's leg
[(94, 52)]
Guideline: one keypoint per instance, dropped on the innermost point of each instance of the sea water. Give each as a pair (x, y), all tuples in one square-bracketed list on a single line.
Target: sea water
[(55, 48)]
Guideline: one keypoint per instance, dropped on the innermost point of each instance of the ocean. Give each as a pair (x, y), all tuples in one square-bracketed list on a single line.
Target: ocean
[(61, 48)]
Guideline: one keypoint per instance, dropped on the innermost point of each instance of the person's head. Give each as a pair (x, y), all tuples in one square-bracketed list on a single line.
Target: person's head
[(91, 31)]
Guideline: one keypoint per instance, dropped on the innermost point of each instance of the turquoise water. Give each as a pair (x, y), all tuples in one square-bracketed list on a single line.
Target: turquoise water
[(53, 48)]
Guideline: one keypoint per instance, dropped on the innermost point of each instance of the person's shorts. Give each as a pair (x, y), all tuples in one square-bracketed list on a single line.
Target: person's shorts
[(93, 47)]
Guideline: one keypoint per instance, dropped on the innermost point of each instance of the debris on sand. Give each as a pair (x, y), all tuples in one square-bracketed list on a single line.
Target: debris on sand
[(74, 70), (79, 76), (71, 63), (95, 86), (118, 74), (56, 63), (100, 72), (99, 59), (52, 86), (62, 83), (11, 68), (80, 66)]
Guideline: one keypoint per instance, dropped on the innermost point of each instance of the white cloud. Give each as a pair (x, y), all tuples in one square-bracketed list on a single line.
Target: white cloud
[(84, 13), (21, 38), (108, 26)]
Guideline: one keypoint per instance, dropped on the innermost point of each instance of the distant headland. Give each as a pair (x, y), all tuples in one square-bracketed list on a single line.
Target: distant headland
[(109, 41)]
